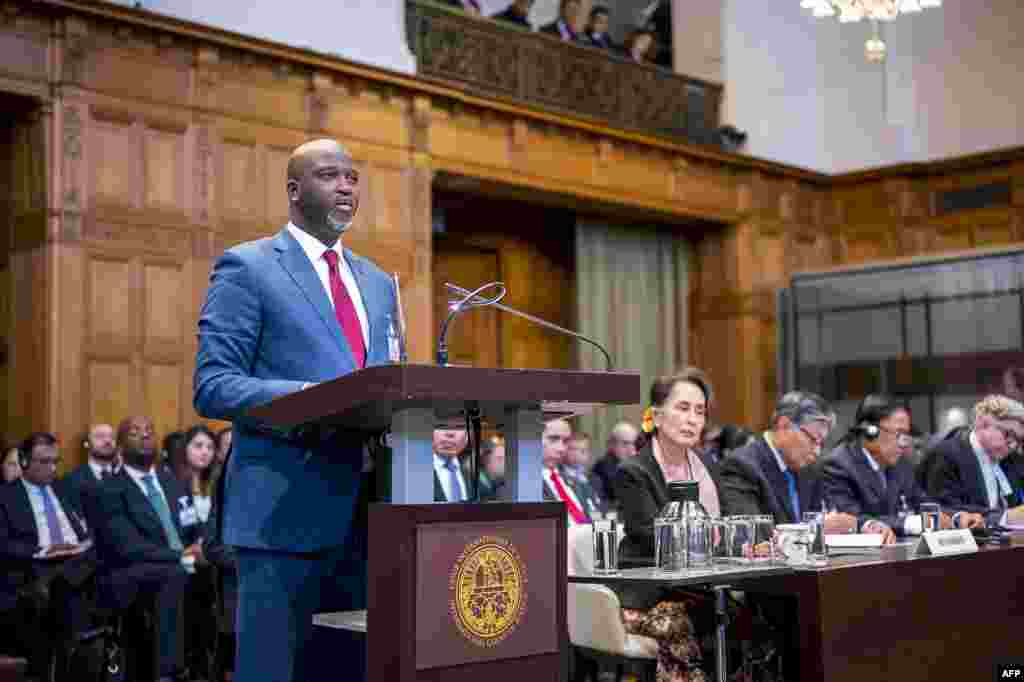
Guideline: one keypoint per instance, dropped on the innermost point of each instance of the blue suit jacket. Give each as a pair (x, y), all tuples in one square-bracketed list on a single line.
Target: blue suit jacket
[(267, 328), (750, 482)]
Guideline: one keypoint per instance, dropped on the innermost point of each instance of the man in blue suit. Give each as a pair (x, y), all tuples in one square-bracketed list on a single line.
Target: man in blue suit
[(283, 313)]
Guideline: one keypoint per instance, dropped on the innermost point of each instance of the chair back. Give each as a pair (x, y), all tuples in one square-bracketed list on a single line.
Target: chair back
[(595, 619), (581, 549)]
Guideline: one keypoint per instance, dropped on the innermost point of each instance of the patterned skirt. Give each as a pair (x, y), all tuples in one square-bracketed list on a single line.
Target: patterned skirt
[(679, 657)]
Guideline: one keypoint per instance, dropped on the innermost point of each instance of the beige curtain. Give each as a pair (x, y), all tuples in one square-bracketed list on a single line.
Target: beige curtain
[(631, 296)]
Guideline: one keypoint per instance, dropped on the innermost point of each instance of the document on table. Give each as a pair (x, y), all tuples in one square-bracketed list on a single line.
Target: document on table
[(853, 543)]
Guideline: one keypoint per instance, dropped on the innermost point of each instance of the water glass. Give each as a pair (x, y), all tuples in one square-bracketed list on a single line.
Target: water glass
[(606, 546), (669, 545), (720, 541), (930, 516), (818, 551), (764, 538), (740, 538), (699, 542)]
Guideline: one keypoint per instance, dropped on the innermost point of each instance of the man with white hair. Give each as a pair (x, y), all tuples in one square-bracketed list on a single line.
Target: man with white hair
[(973, 471), (621, 446)]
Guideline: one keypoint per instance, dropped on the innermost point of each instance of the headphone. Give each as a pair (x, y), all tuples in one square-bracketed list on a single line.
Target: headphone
[(24, 459), (868, 430), (872, 410)]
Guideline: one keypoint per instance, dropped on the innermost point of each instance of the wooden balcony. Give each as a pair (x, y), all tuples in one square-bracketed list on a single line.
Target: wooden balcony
[(496, 59)]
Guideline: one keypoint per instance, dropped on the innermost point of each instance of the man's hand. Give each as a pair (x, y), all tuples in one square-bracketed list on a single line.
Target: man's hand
[(879, 528), (837, 523), (195, 550), (945, 521), (970, 520), (60, 549)]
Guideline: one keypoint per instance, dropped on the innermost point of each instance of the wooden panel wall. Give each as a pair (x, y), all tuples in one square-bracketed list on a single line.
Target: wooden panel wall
[(153, 144)]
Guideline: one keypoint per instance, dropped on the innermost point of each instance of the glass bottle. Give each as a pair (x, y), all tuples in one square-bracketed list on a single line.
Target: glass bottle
[(697, 527), (669, 544)]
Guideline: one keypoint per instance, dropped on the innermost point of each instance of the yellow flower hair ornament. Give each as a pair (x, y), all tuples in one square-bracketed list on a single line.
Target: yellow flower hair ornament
[(648, 420)]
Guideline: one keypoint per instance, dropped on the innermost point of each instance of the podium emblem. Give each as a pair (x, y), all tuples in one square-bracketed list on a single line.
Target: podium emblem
[(488, 591)]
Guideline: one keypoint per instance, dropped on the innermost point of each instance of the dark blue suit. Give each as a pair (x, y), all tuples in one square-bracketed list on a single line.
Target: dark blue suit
[(267, 328), (750, 482)]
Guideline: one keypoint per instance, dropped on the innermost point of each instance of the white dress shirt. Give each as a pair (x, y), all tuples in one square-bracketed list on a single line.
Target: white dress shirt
[(35, 497), (912, 523), (315, 251), (99, 467), (444, 476)]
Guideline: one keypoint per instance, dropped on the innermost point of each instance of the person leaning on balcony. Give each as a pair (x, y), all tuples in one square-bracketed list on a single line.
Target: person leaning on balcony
[(596, 33), (564, 26)]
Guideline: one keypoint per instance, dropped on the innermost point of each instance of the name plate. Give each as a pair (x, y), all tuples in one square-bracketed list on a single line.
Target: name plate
[(944, 542)]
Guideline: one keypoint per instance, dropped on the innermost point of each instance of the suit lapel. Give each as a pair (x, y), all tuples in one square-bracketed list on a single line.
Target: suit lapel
[(296, 263), (973, 472), (778, 481), (363, 283), (136, 499), (866, 473), (76, 521), (173, 492), (27, 522)]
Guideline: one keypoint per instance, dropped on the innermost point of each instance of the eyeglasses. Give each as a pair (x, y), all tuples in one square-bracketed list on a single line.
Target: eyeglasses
[(1012, 439), (814, 438), (898, 434)]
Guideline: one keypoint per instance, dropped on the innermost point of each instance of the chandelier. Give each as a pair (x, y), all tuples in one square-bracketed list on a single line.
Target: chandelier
[(850, 11)]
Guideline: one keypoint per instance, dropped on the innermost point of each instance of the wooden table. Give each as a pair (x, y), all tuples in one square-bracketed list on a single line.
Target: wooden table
[(944, 618)]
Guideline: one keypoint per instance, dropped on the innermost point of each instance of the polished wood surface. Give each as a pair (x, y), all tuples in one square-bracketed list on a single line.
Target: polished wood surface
[(366, 399), (934, 619), (392, 570), (140, 147)]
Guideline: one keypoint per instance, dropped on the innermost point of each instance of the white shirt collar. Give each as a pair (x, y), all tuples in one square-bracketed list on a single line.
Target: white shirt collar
[(976, 446), (771, 446), (137, 476), (32, 487), (871, 460), (98, 467), (313, 247)]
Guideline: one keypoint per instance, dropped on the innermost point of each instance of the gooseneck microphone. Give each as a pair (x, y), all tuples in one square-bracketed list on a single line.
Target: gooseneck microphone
[(469, 300), (472, 297)]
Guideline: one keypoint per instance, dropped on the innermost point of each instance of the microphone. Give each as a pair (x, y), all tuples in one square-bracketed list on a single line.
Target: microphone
[(471, 297), (469, 300)]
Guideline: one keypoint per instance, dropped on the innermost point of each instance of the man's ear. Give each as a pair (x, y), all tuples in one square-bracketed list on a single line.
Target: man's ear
[(983, 421), (292, 187)]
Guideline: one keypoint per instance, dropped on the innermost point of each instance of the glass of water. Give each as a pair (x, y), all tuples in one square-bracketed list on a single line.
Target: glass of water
[(740, 538), (930, 515), (764, 538), (817, 553), (606, 546)]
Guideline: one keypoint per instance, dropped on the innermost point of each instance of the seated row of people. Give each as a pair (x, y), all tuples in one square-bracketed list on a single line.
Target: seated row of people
[(121, 532)]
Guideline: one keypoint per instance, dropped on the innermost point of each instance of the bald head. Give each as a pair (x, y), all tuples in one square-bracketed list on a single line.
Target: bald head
[(323, 190), (136, 442)]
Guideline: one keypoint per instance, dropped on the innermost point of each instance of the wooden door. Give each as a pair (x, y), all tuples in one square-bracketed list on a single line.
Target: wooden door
[(474, 337)]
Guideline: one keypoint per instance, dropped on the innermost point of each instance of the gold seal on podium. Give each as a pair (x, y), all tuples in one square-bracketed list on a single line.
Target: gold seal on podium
[(488, 591)]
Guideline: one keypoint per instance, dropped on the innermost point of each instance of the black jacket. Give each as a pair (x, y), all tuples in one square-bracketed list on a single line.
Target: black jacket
[(130, 532), (956, 482), (642, 492), (853, 487), (750, 482), (19, 536)]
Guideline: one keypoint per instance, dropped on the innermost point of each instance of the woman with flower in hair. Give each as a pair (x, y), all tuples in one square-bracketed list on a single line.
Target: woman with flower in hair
[(672, 430)]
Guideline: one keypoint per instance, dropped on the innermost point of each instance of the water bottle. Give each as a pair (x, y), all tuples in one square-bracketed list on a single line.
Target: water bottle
[(394, 342), (697, 526), (669, 536)]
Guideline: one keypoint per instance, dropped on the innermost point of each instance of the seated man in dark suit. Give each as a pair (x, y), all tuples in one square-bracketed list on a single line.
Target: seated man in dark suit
[(869, 473), (576, 469), (81, 483), (46, 552), (557, 487), (774, 474), (517, 13), (449, 479), (971, 471), (596, 32), (564, 26), (147, 540)]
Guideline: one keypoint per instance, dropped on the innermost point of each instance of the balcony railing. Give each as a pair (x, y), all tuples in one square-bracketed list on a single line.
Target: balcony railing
[(496, 59)]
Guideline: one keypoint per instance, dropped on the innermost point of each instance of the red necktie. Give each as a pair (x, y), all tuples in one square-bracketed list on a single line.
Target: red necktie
[(574, 511), (345, 310)]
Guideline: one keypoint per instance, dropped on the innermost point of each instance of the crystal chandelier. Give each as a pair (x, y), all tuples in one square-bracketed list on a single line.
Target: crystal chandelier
[(850, 11)]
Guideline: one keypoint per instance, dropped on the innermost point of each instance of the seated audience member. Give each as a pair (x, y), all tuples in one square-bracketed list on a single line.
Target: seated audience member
[(47, 555), (621, 447), (971, 471), (576, 469), (596, 32), (564, 26), (12, 465), (517, 13), (673, 424), (492, 474), (224, 443), (557, 488), (869, 474), (449, 479), (674, 428), (193, 464), (468, 6), (172, 443), (639, 45), (774, 473), (147, 538), (728, 438), (100, 465)]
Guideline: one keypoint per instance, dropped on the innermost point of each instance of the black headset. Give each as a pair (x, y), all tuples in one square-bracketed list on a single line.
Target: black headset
[(871, 411), (868, 430), (24, 458)]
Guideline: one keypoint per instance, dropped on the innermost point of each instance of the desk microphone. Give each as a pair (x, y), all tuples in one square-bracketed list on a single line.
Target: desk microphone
[(474, 300)]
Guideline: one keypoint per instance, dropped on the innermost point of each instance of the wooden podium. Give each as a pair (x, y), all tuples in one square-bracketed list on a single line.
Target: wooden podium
[(461, 591)]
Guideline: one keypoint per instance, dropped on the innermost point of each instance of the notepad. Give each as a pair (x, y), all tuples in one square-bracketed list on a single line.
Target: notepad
[(853, 543)]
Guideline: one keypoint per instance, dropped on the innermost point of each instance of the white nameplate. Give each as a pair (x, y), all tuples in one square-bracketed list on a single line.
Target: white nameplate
[(944, 542)]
